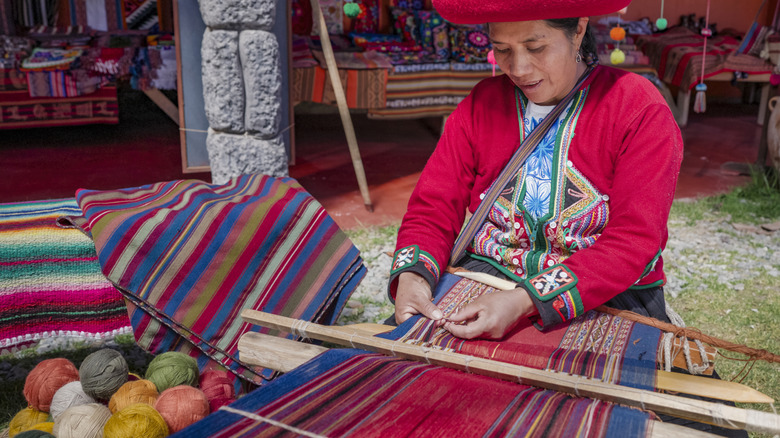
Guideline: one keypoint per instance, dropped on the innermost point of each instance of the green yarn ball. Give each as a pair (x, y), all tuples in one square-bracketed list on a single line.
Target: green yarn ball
[(102, 373), (172, 369), (661, 23), (351, 10)]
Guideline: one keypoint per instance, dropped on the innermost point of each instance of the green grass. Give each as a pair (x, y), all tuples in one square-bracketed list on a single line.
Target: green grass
[(754, 203), (744, 313)]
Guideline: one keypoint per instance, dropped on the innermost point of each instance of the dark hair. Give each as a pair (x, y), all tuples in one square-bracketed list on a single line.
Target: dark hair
[(588, 49)]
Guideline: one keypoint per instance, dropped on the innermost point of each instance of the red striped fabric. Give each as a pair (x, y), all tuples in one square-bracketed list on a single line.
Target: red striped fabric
[(190, 256)]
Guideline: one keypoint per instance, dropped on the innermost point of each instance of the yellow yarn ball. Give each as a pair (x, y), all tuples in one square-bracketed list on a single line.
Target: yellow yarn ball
[(82, 421), (136, 391), (617, 57), (26, 419), (47, 427), (137, 420)]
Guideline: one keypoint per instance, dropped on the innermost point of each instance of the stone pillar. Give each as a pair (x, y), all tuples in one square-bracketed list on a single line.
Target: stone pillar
[(242, 89)]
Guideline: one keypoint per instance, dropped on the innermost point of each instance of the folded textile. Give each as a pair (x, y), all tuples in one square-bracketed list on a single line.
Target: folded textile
[(50, 280), (190, 256)]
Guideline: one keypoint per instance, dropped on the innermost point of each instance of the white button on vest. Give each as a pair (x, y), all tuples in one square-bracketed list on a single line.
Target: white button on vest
[(517, 225), (498, 258), (605, 197), (550, 263)]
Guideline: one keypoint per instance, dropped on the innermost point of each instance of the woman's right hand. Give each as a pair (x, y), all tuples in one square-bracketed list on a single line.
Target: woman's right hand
[(414, 296)]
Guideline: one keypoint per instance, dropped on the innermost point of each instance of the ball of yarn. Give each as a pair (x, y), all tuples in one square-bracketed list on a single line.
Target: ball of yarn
[(34, 434), (217, 384), (47, 426), (137, 391), (661, 23), (45, 379), (138, 420), (181, 406), (216, 403), (172, 369), (68, 396), (102, 373), (83, 421), (25, 419)]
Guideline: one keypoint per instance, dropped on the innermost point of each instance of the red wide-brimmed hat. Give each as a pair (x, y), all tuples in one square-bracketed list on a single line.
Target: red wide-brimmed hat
[(494, 11)]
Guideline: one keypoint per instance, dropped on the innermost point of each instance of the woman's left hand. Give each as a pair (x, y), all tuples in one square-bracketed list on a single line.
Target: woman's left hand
[(491, 316)]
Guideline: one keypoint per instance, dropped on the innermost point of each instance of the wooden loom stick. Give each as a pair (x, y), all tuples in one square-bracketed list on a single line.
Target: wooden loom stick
[(691, 333), (341, 102), (691, 409), (284, 355)]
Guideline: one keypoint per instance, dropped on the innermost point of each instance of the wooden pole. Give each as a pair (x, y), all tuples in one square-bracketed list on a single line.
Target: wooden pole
[(691, 409), (284, 355), (341, 102)]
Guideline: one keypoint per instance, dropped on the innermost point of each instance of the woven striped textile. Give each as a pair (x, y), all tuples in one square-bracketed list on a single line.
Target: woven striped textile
[(595, 345), (349, 392), (50, 281), (191, 256), (426, 90)]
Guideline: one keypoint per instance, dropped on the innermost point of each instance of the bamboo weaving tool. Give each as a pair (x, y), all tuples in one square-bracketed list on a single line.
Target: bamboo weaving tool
[(696, 410)]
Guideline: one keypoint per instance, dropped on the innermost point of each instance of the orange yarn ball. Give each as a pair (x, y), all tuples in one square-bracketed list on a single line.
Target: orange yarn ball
[(136, 391), (45, 379), (181, 406), (617, 33)]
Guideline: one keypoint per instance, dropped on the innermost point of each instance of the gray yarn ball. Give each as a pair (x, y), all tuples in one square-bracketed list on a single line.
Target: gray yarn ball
[(102, 373)]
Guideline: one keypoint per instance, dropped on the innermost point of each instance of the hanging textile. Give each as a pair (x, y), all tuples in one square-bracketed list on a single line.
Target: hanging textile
[(190, 256), (595, 345), (348, 392)]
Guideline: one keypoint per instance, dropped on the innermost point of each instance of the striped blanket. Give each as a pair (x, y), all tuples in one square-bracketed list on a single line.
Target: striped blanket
[(351, 393), (191, 256), (677, 55), (50, 280)]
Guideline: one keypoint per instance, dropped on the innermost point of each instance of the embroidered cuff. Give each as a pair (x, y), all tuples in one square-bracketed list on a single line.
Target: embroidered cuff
[(412, 259), (555, 295)]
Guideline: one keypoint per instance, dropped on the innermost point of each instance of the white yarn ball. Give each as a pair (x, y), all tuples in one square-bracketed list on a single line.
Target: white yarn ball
[(69, 395), (83, 421)]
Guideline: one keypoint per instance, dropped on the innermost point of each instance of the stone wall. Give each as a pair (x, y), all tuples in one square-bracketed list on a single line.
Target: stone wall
[(242, 89)]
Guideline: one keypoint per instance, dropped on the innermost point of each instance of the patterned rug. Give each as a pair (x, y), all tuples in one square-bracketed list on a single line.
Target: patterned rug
[(50, 280)]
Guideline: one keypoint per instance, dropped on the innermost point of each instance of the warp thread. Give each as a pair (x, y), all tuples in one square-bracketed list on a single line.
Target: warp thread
[(253, 416), (72, 394), (136, 391), (83, 421), (138, 420), (181, 406), (171, 369), (25, 419), (45, 379), (102, 373)]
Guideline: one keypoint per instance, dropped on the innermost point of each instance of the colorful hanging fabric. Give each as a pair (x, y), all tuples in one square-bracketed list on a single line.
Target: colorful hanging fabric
[(346, 392), (190, 256)]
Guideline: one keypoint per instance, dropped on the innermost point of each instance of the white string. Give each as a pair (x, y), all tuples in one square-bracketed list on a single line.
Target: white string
[(392, 348), (425, 351), (253, 416), (467, 360), (350, 339), (577, 387)]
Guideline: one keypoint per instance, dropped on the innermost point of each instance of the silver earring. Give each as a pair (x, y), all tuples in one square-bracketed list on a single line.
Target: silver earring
[(578, 58)]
